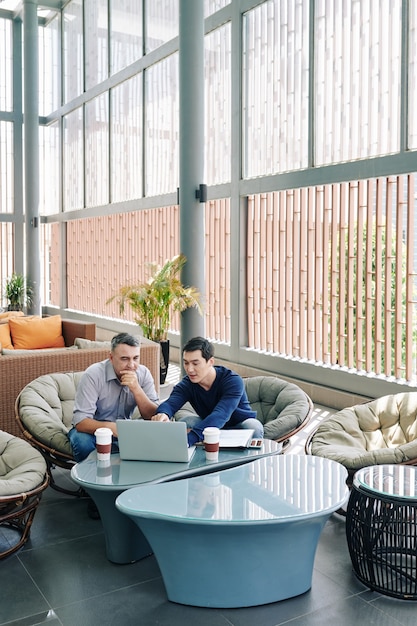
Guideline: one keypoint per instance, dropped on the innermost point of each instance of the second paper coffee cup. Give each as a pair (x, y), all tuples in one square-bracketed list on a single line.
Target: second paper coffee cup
[(211, 436)]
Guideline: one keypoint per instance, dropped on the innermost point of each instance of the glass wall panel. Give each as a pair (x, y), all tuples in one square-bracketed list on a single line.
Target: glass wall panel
[(108, 251), (313, 288), (97, 151), (6, 168), (211, 6), (96, 42), (49, 169), (6, 82), (45, 239), (217, 301), (161, 22), (127, 140), (73, 161), (162, 127), (275, 87), (358, 71), (72, 50), (49, 75), (6, 254), (412, 76), (126, 39), (217, 106), (52, 246)]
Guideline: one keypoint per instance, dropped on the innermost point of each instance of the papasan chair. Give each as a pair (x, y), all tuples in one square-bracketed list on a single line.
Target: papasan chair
[(43, 412), (281, 406), (23, 478), (382, 431)]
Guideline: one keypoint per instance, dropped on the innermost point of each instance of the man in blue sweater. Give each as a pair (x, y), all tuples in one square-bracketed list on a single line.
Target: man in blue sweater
[(217, 394)]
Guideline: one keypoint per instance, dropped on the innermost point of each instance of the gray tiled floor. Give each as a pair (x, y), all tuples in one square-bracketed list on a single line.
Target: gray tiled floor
[(62, 577)]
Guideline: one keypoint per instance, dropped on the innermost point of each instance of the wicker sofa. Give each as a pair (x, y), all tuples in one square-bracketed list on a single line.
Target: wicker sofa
[(17, 370)]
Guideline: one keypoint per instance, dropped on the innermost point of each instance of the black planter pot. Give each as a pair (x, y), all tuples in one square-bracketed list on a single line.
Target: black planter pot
[(164, 361)]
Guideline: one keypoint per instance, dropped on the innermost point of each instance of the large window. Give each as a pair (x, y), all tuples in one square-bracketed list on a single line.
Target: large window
[(49, 170), (217, 138), (412, 76), (6, 170), (358, 71), (6, 70), (49, 69), (73, 50), (126, 140), (126, 41), (275, 87), (330, 273), (161, 22), (97, 151), (162, 127), (73, 161), (96, 42), (310, 143)]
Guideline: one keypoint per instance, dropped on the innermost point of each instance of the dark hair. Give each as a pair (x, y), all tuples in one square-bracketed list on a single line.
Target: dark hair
[(199, 343), (125, 338)]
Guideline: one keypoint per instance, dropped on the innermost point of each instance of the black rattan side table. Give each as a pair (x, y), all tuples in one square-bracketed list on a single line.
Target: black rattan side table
[(381, 529)]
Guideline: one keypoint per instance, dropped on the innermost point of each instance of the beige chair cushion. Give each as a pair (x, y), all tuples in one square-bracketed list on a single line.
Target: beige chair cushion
[(22, 468), (381, 431), (280, 406), (46, 407)]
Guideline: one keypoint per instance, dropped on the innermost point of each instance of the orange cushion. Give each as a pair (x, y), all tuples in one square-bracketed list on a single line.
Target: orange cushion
[(8, 314), (5, 339), (31, 333)]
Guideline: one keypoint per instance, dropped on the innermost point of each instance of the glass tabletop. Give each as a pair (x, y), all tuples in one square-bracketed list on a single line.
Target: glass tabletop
[(118, 474), (396, 481), (273, 488)]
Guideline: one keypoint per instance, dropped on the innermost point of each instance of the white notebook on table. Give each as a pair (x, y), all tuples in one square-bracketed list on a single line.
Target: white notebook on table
[(236, 438)]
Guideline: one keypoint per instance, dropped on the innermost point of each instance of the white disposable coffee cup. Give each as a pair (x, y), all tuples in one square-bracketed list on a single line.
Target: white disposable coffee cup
[(211, 436), (103, 443)]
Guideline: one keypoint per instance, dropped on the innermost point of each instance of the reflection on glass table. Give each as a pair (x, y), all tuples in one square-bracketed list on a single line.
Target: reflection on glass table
[(251, 532), (105, 481)]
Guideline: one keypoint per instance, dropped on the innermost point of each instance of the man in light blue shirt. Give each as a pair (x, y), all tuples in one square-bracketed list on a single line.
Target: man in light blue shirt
[(111, 390)]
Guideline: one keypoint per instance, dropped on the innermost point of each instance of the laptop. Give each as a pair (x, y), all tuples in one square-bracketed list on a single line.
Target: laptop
[(144, 440)]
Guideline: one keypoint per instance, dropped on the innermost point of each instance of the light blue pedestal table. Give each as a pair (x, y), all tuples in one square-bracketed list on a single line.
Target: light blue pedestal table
[(104, 482), (239, 537)]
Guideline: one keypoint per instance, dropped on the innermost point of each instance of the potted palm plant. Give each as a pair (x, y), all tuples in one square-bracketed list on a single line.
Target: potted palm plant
[(155, 300), (18, 293)]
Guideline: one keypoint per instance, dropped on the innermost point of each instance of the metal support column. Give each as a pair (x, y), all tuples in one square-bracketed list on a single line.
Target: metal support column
[(31, 152), (192, 190)]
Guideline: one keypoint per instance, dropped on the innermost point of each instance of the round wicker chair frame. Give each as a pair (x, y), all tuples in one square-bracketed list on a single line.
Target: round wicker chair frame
[(17, 512), (53, 458)]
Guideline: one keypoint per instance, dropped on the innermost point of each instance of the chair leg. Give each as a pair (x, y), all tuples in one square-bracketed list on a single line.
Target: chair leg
[(77, 492), (21, 521), (286, 445)]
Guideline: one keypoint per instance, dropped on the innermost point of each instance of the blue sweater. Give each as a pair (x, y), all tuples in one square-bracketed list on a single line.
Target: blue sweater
[(225, 402)]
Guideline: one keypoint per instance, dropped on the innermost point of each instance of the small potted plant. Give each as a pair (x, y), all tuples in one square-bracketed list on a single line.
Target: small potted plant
[(153, 302), (18, 293)]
